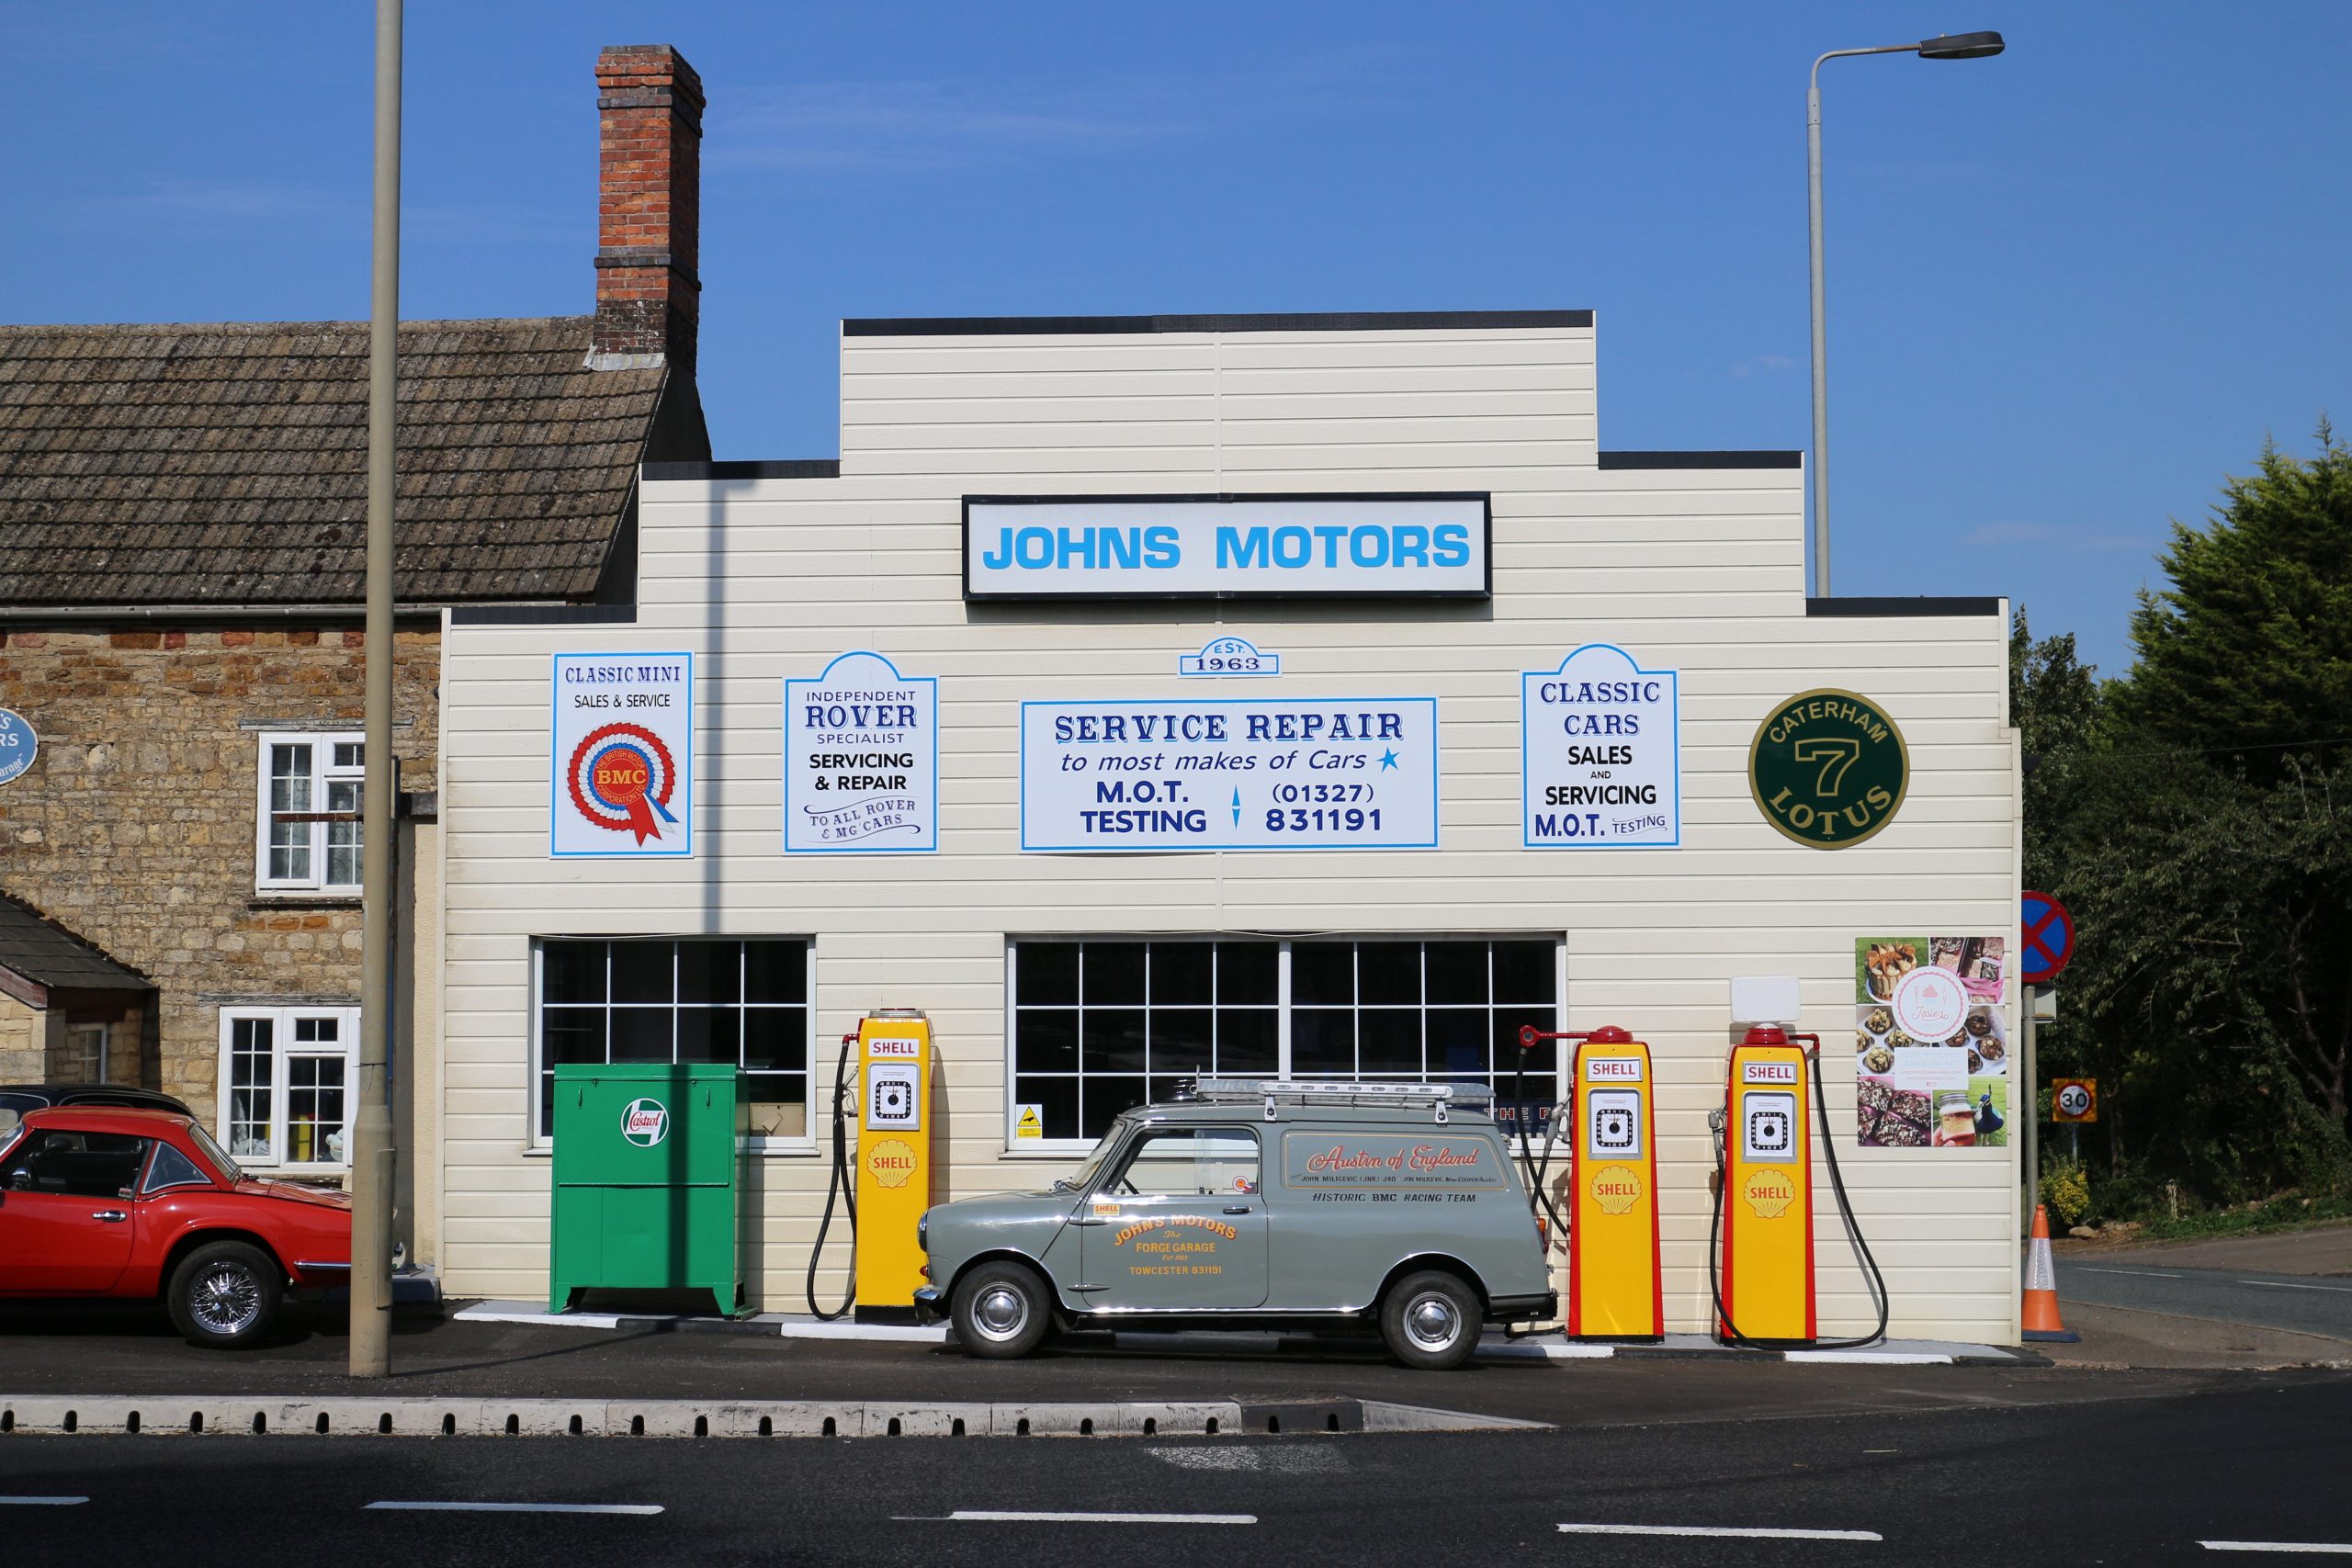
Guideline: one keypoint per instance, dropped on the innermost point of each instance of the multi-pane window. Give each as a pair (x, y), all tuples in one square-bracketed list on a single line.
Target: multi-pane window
[(285, 1080), (309, 834), (696, 1000), (1100, 1026)]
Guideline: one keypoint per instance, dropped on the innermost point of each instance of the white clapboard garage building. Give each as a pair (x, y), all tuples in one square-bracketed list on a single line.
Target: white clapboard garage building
[(1299, 695)]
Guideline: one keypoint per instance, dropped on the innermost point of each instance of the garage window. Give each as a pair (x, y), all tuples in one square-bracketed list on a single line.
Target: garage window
[(692, 1000), (1100, 1025)]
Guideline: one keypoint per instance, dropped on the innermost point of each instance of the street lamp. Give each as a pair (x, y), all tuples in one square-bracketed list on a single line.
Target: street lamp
[(1951, 46)]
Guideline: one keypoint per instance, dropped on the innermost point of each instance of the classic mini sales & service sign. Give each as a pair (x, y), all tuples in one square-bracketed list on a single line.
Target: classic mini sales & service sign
[(623, 755)]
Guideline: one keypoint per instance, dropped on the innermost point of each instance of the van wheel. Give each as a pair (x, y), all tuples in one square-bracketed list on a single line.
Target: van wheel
[(1430, 1321), (1002, 1311), (225, 1294)]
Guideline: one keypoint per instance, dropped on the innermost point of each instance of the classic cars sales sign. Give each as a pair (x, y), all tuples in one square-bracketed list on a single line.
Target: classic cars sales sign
[(1601, 754), (1230, 547)]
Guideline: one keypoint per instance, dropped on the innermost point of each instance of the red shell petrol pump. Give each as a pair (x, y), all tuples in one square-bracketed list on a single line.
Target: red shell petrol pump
[(1615, 1288), (1764, 1287)]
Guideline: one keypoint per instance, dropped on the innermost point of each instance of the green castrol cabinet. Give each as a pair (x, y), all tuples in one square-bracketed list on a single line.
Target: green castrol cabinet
[(648, 1179)]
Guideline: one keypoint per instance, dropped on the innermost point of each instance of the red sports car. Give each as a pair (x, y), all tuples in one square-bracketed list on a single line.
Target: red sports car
[(143, 1204)]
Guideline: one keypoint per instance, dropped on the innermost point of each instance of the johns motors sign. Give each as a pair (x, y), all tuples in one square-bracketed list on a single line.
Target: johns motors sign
[(1228, 547)]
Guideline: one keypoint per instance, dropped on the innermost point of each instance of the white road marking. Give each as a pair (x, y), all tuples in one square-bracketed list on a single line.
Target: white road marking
[(2282, 1285), (2135, 1273), (2342, 1549), (1020, 1516), (1753, 1534), (40, 1501), (523, 1507)]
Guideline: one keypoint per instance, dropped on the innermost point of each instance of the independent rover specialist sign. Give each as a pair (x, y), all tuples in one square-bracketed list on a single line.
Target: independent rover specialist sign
[(1233, 547), (622, 758), (1230, 774), (1600, 761), (1828, 768), (861, 760)]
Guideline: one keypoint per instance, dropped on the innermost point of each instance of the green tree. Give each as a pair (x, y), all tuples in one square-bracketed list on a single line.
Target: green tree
[(2250, 645)]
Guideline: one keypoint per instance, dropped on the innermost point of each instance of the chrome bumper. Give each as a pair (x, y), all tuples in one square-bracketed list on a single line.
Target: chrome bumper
[(930, 1304)]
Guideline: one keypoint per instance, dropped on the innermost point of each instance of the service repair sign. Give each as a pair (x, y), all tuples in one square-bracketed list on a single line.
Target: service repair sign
[(861, 760), (622, 780), (1234, 547), (1337, 773), (1600, 753)]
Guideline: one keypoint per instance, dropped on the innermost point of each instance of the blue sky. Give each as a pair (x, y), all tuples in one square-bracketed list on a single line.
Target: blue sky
[(2071, 288)]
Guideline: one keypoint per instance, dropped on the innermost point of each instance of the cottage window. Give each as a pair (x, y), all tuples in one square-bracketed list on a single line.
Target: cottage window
[(1100, 1025), (696, 999), (286, 1076), (309, 828)]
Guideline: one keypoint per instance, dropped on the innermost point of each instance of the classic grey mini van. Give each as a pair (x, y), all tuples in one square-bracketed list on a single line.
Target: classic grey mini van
[(1257, 1204)]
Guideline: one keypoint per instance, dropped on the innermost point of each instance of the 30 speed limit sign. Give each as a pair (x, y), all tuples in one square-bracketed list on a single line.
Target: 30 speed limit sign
[(2074, 1100)]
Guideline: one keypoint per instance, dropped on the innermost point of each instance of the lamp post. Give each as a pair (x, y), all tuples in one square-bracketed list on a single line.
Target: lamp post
[(1954, 46)]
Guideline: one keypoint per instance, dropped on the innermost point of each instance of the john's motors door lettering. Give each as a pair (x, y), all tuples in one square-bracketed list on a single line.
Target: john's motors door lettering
[(1173, 1244), (1390, 1167)]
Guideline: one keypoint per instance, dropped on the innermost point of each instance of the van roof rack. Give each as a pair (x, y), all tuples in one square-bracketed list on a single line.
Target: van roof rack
[(1439, 1097)]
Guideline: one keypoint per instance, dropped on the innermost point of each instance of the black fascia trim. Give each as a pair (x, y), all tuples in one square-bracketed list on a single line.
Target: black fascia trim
[(788, 469), (1923, 605), (1757, 459), (1485, 500), (1326, 322), (542, 614)]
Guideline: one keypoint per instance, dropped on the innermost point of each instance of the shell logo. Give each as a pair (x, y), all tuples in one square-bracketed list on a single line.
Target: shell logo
[(1769, 1193), (892, 1161), (1616, 1188)]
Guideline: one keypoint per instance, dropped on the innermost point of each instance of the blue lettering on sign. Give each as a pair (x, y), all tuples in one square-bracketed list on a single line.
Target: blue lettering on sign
[(1181, 773), (18, 745), (1226, 546)]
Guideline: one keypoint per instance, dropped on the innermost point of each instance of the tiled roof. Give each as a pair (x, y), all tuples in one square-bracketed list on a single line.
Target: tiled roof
[(227, 463), (51, 956)]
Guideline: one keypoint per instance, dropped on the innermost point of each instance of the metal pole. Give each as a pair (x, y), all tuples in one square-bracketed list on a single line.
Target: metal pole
[(372, 1146), (2028, 1116), (1820, 339)]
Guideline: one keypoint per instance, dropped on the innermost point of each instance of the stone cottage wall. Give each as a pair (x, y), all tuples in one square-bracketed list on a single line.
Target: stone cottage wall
[(136, 826)]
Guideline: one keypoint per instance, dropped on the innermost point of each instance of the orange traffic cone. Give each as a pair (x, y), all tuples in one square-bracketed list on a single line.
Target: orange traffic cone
[(2041, 1320)]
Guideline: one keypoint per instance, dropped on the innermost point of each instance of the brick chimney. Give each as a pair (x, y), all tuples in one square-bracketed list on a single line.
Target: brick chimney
[(648, 208)]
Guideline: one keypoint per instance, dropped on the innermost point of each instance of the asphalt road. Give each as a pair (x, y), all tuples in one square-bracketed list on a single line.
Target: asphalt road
[(2151, 1282), (2263, 1461)]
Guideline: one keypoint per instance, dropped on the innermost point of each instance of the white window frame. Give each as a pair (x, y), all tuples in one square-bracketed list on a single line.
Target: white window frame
[(284, 1050), (325, 771), (540, 1140), (105, 1045), (1064, 1148)]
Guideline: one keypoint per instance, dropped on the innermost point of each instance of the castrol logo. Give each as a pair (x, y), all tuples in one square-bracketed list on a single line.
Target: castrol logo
[(645, 1122)]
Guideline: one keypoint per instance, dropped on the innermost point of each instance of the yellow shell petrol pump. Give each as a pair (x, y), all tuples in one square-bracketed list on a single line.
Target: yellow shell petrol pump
[(1764, 1197), (1615, 1290), (893, 1160)]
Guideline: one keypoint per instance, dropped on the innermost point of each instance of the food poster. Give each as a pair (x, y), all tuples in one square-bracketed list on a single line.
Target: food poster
[(1931, 1041)]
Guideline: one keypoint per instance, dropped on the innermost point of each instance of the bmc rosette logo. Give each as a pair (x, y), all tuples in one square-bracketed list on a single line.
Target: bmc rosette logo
[(645, 1122), (621, 777)]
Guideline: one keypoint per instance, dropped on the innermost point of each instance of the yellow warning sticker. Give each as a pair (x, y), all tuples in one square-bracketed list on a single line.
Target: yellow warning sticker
[(1029, 1122)]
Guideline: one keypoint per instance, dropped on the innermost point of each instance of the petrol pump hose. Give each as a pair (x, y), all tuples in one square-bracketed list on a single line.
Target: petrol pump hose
[(842, 1186), (1870, 1275)]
